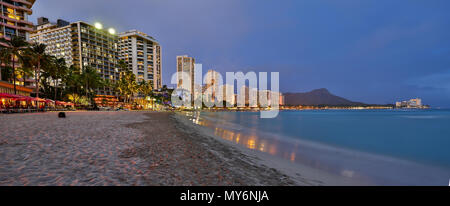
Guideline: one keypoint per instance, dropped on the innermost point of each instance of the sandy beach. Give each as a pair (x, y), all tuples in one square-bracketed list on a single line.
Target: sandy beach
[(120, 148)]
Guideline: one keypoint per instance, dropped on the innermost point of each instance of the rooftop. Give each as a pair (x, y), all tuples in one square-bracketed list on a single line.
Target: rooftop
[(135, 32)]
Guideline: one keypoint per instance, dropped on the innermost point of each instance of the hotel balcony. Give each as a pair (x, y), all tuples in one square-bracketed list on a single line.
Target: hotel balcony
[(21, 20), (13, 4)]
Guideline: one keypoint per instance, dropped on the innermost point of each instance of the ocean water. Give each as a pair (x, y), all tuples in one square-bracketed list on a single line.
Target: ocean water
[(379, 147)]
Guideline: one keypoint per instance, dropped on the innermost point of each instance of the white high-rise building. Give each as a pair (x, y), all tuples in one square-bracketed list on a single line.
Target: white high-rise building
[(142, 53), (186, 65), (57, 36), (81, 44)]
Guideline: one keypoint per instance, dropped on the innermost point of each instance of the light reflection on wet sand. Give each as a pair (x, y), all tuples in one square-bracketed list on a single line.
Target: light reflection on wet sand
[(286, 150), (367, 168)]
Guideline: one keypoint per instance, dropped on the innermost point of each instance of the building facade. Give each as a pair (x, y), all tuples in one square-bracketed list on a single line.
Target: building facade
[(82, 45), (14, 18), (186, 64), (412, 103), (8, 88), (57, 37), (14, 22), (142, 54)]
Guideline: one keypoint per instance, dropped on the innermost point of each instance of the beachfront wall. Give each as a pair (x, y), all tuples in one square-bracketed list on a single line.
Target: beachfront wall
[(8, 88)]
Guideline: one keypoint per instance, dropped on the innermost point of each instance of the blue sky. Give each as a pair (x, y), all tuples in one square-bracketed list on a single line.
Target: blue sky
[(373, 51)]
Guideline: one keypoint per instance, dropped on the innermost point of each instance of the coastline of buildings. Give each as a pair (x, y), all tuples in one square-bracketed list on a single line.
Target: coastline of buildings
[(216, 90), (215, 87), (411, 104), (83, 44), (331, 107)]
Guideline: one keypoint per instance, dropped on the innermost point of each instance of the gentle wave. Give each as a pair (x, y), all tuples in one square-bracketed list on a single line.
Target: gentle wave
[(384, 169)]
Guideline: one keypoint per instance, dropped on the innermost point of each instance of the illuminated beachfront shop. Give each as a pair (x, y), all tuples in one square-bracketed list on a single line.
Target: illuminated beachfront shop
[(8, 88)]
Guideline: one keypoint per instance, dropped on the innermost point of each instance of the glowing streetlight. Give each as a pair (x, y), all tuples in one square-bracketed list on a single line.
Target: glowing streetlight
[(98, 25), (112, 31)]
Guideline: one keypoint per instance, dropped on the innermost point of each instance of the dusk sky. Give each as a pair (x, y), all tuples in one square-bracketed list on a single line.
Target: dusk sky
[(368, 51)]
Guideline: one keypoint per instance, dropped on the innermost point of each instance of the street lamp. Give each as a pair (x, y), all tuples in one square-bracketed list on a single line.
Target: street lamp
[(112, 31), (98, 25)]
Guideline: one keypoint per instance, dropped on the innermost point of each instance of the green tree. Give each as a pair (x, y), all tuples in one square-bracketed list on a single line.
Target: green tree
[(5, 61), (127, 86), (91, 81), (60, 70), (72, 81), (15, 47), (145, 88), (38, 59), (123, 66)]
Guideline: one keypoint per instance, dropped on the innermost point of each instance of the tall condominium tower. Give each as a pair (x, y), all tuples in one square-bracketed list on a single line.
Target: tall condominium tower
[(82, 44), (186, 64), (142, 53), (14, 22), (14, 18), (57, 37)]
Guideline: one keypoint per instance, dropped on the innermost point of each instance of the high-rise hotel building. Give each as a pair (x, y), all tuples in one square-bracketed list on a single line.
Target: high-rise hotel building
[(14, 18), (14, 22), (186, 65), (57, 36), (142, 53), (82, 44)]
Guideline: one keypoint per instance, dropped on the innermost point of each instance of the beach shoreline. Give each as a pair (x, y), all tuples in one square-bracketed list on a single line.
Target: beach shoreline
[(119, 148), (137, 148), (299, 174)]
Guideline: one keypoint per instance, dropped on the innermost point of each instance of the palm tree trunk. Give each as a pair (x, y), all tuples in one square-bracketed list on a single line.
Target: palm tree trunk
[(14, 74), (86, 89), (56, 88), (37, 78)]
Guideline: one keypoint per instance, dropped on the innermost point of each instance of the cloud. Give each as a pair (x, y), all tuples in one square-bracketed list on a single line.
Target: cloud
[(204, 29), (346, 46), (437, 81), (387, 36)]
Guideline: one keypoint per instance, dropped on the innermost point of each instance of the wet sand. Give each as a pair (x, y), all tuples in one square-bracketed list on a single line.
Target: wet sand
[(298, 174), (121, 148)]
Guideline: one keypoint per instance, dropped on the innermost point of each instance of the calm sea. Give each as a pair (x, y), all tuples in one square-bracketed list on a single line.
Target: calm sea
[(383, 147)]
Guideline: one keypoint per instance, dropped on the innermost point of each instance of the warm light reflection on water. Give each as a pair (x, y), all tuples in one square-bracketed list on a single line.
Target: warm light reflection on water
[(289, 151), (250, 141), (270, 137)]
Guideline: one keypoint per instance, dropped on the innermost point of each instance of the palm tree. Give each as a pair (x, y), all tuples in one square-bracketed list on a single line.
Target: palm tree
[(72, 83), (123, 66), (24, 71), (91, 81), (145, 88), (72, 80), (15, 47), (132, 86), (126, 85), (5, 59), (120, 86), (38, 58), (60, 70)]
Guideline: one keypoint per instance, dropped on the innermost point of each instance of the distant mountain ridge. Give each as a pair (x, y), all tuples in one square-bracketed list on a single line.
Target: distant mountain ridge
[(318, 97)]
